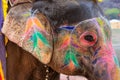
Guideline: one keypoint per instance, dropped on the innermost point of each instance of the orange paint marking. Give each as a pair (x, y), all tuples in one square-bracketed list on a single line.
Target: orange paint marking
[(33, 21), (71, 66)]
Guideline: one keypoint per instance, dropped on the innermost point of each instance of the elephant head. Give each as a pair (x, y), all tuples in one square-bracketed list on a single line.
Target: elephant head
[(70, 36)]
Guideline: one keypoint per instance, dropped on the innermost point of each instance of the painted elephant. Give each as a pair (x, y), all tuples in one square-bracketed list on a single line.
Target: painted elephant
[(49, 37)]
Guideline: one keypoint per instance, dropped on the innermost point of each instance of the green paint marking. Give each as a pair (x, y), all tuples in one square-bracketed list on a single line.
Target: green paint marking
[(116, 61), (71, 56)]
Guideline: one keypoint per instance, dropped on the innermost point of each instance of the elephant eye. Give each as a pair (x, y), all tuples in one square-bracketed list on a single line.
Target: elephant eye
[(89, 38)]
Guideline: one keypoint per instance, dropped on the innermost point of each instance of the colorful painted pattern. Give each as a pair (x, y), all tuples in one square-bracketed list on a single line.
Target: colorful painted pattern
[(89, 41), (39, 40), (37, 35)]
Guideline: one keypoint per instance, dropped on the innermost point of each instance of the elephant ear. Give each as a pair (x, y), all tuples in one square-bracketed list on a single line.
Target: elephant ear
[(32, 32), (14, 2)]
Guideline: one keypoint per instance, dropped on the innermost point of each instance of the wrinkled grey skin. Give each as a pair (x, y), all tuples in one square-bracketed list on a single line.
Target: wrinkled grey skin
[(71, 11), (22, 66)]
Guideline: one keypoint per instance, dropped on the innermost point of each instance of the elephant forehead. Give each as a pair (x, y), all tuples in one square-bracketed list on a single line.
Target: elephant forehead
[(32, 32)]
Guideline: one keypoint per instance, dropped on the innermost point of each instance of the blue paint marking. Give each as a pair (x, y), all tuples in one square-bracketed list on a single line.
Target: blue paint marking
[(96, 52), (95, 61), (70, 28)]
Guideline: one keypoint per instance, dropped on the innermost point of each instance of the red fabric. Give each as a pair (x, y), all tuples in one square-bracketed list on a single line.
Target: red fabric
[(0, 77)]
